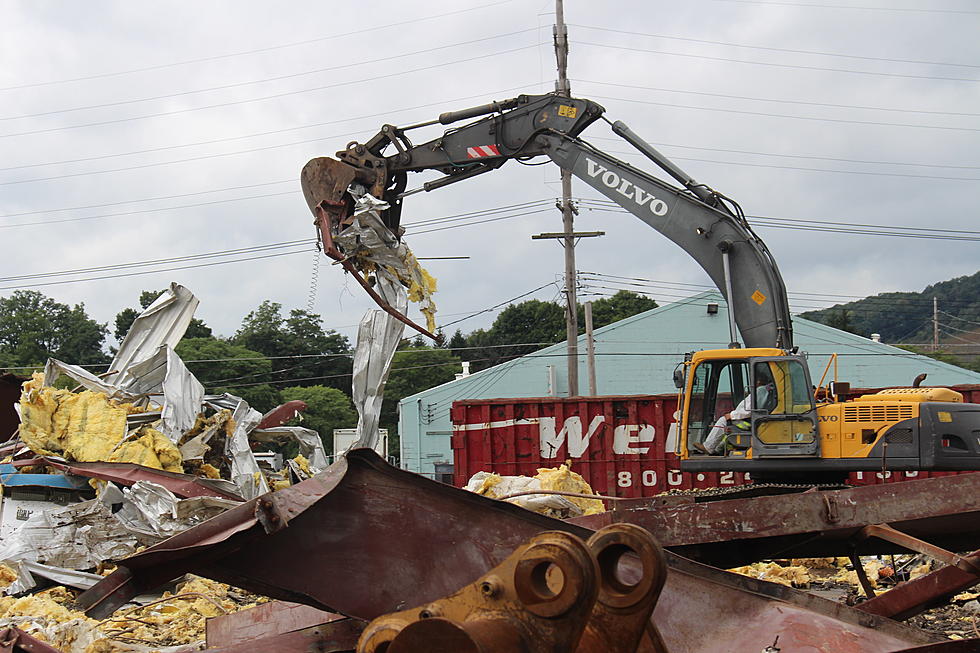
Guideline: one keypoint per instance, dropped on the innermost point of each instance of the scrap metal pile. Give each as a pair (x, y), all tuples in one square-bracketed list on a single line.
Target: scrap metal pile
[(181, 540), (123, 461)]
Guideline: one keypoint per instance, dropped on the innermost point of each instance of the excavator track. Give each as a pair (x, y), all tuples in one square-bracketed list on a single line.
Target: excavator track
[(754, 490)]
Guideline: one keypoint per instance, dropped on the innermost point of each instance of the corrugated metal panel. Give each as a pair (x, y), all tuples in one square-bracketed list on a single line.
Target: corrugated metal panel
[(620, 444)]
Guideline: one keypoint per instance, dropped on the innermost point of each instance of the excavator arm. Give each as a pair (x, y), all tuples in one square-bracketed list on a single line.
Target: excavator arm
[(708, 226)]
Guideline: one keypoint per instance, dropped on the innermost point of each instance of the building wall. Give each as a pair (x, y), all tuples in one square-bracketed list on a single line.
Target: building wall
[(637, 356)]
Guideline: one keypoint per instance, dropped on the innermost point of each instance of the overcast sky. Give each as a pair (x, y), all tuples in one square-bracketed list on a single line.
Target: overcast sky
[(190, 121)]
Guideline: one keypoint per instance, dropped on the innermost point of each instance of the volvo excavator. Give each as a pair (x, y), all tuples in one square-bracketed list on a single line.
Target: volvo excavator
[(790, 432)]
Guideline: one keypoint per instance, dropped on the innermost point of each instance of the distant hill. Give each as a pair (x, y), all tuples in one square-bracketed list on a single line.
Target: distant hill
[(906, 317)]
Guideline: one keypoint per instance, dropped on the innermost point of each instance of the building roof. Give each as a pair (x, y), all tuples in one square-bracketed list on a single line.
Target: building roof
[(637, 356)]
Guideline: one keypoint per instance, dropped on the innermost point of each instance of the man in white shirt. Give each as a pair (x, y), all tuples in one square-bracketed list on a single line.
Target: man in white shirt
[(714, 444)]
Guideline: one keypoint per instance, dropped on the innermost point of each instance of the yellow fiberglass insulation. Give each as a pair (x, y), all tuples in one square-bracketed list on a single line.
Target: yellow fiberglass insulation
[(791, 576), (562, 479), (150, 448), (82, 426), (88, 426)]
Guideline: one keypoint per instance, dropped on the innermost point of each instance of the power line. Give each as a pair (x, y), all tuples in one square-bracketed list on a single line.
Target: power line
[(141, 211), (273, 96), (796, 156), (778, 65), (958, 317), (784, 115), (145, 272), (801, 168), (266, 133), (495, 306), (728, 96), (174, 259), (150, 199), (862, 8), (372, 28), (801, 225), (771, 49), (266, 80)]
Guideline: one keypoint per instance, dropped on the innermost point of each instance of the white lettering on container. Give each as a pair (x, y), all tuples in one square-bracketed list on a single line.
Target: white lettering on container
[(626, 436), (571, 432)]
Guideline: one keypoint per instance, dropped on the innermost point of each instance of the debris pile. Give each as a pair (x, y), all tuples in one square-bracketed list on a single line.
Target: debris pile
[(118, 463), (520, 490)]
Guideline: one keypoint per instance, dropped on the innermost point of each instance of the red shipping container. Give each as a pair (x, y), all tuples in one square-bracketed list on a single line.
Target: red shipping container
[(622, 445)]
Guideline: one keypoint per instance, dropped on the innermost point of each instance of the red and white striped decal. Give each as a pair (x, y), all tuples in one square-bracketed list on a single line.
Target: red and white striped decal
[(481, 151)]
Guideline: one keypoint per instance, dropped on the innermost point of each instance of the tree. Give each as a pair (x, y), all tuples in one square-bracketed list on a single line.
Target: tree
[(34, 327), (327, 409), (126, 317), (413, 370), (226, 367), (620, 306), (841, 319), (305, 352)]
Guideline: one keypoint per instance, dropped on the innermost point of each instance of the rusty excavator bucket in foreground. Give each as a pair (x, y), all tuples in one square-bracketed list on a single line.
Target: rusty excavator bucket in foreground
[(365, 539)]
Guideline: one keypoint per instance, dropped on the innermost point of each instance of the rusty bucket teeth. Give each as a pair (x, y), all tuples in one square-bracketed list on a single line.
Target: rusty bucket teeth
[(327, 179)]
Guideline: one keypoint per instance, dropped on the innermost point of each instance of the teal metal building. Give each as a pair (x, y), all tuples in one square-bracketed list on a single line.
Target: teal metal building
[(637, 356)]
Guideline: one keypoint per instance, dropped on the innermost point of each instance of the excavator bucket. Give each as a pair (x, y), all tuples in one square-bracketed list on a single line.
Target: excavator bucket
[(325, 179)]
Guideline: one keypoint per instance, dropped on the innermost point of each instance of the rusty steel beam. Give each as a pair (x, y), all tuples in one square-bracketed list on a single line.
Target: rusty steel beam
[(906, 541), (182, 485), (365, 539), (943, 511), (919, 594)]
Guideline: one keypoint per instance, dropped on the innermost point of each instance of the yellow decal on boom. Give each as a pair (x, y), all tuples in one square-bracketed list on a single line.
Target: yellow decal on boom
[(758, 297), (567, 111)]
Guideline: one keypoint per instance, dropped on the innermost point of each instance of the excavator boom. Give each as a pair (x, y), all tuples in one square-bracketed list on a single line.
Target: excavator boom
[(704, 223)]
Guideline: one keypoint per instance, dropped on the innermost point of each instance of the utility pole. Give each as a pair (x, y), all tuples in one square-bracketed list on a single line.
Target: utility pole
[(935, 324), (590, 349), (571, 303)]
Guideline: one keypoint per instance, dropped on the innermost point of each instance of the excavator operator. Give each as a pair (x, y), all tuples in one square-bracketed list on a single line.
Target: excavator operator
[(714, 444)]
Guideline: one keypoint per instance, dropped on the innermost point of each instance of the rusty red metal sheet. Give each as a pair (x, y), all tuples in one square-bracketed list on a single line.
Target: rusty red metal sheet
[(915, 596), (9, 395), (264, 620), (338, 636), (365, 539), (621, 445), (14, 640), (182, 485), (944, 511), (282, 414)]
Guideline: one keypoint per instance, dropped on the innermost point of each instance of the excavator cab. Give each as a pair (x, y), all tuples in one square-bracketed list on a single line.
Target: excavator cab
[(767, 392)]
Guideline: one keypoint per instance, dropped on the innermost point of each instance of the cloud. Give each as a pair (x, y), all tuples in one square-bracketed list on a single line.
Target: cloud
[(46, 43)]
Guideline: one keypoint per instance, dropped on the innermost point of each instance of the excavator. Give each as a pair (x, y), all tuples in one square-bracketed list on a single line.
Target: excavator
[(787, 430)]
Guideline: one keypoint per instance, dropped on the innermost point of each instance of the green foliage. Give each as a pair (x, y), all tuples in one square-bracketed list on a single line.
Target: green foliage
[(532, 321), (125, 318), (245, 367), (620, 306), (907, 316), (415, 368), (327, 409), (841, 319), (325, 354), (34, 327)]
